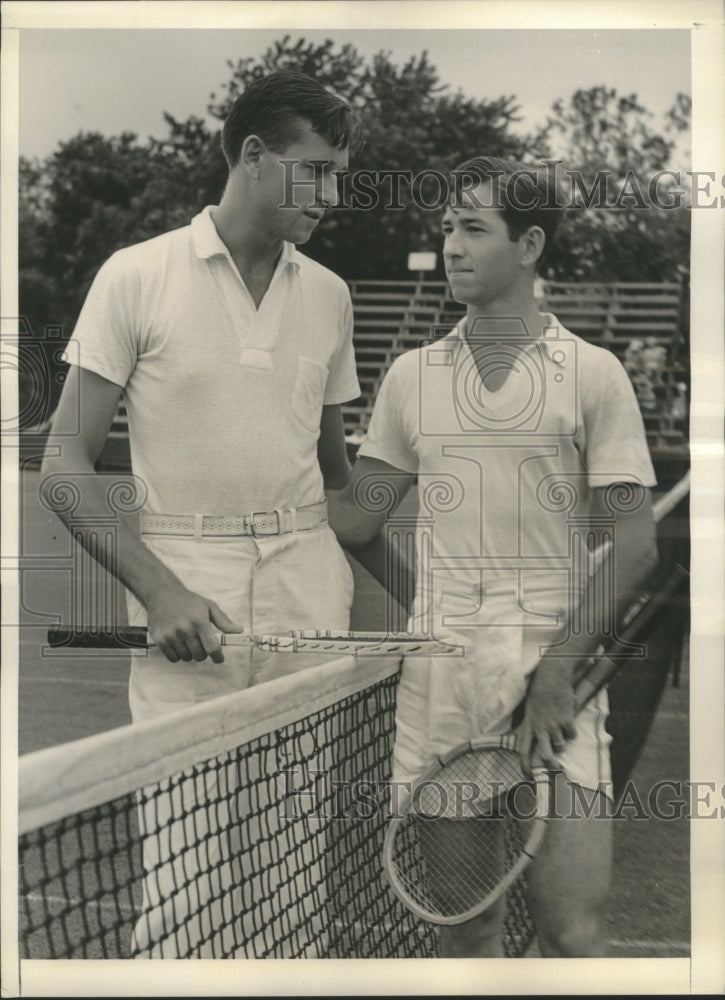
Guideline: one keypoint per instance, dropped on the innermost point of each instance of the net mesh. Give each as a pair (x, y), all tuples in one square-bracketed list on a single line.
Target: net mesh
[(271, 849)]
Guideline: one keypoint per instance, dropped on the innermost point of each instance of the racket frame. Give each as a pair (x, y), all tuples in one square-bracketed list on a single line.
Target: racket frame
[(323, 641), (665, 584), (541, 778)]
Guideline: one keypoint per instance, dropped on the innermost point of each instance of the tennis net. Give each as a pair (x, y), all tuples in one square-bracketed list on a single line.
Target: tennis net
[(252, 825), (277, 811)]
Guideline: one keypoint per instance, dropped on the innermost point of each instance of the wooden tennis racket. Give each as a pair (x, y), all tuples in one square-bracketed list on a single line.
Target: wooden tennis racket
[(297, 641), (473, 822)]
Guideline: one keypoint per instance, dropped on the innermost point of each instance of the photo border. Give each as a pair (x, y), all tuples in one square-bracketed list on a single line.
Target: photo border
[(704, 971)]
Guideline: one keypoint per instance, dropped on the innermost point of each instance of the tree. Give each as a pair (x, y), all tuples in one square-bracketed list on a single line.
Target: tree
[(620, 227), (413, 124), (599, 127), (96, 194), (342, 70), (38, 283), (192, 173), (417, 127), (91, 197)]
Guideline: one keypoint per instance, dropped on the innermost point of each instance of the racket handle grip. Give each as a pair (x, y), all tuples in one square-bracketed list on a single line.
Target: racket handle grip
[(126, 637)]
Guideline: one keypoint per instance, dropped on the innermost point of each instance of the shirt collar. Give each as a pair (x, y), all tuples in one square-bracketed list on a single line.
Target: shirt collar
[(208, 243), (555, 339)]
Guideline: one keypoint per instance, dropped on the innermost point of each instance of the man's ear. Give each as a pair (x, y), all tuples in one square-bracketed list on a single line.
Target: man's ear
[(253, 148), (531, 245)]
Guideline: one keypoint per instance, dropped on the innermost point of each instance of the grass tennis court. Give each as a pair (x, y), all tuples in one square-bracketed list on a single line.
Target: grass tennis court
[(63, 698)]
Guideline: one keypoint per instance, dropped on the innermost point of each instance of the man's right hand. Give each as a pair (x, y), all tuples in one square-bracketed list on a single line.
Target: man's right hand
[(183, 625)]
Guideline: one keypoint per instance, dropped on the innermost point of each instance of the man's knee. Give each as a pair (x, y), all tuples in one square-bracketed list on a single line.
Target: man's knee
[(569, 883), (580, 936)]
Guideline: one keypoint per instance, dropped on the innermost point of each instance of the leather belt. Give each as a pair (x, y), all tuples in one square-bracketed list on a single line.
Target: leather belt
[(260, 523)]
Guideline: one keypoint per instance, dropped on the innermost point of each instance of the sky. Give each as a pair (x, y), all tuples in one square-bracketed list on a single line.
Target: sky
[(115, 79)]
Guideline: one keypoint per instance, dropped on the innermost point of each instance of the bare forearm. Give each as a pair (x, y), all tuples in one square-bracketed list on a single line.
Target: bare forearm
[(354, 528), (82, 500), (610, 590), (389, 566), (337, 477), (359, 511), (549, 719), (332, 449), (180, 621)]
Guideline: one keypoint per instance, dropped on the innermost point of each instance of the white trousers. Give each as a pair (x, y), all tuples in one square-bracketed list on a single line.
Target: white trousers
[(204, 890)]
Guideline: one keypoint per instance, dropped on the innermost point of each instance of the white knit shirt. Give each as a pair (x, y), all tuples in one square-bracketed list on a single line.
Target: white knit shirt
[(223, 399)]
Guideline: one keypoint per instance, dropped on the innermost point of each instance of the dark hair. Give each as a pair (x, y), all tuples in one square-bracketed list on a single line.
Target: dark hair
[(275, 108), (526, 194)]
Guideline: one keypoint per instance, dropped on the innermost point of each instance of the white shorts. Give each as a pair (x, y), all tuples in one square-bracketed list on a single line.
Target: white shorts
[(445, 701)]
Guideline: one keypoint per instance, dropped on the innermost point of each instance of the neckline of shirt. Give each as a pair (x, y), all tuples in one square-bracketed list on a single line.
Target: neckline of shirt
[(552, 344), (208, 243)]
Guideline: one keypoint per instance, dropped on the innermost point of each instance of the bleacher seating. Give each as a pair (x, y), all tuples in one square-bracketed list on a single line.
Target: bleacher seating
[(645, 325), (392, 317), (613, 314)]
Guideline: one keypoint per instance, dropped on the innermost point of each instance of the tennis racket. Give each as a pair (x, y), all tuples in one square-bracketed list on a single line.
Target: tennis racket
[(447, 871), (298, 641)]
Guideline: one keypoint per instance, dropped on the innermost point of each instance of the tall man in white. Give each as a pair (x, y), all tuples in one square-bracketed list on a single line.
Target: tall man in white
[(234, 353), (538, 439)]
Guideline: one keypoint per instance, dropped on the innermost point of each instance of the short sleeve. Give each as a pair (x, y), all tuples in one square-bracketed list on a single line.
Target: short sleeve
[(342, 382), (389, 437), (106, 335), (614, 439)]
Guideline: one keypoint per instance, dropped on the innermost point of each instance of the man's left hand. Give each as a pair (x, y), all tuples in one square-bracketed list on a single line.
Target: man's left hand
[(548, 716)]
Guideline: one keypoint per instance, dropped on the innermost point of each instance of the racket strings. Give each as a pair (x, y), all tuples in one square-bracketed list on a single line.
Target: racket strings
[(466, 831), (475, 783)]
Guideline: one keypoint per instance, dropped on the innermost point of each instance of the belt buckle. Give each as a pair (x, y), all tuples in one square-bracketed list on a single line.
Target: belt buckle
[(270, 521)]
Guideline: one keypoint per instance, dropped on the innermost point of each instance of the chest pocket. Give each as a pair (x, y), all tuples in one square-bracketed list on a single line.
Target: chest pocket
[(308, 392)]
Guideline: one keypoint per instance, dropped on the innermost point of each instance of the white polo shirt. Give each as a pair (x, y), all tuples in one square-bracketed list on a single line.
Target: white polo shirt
[(505, 477), (223, 399)]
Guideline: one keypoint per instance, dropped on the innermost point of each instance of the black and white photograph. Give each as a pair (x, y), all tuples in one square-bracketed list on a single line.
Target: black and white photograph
[(363, 378)]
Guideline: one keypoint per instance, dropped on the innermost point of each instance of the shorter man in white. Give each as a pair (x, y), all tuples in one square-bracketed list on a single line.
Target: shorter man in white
[(533, 432), (234, 353)]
